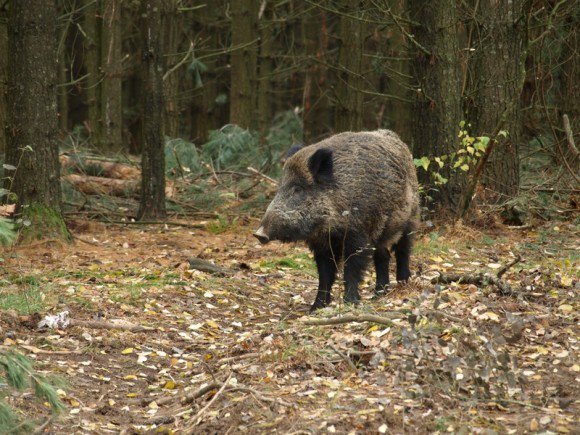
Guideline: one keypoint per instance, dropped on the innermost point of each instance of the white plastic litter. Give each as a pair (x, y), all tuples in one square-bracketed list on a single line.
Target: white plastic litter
[(59, 321)]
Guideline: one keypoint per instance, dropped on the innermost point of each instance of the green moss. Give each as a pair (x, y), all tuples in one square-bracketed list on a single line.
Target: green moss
[(42, 222)]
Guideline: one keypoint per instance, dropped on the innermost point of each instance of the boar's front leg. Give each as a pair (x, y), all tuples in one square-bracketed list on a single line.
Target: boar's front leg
[(326, 265)]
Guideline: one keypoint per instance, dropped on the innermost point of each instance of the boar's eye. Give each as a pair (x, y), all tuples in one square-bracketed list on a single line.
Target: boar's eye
[(297, 189)]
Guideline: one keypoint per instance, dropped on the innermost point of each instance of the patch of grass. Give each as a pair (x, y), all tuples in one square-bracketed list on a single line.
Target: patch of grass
[(298, 261), (131, 295), (433, 246), (24, 300), (221, 225)]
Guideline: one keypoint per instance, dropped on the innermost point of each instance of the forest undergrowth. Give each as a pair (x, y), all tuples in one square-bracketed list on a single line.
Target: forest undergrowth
[(160, 340)]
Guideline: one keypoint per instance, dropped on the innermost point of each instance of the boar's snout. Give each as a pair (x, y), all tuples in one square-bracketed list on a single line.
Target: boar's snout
[(261, 235)]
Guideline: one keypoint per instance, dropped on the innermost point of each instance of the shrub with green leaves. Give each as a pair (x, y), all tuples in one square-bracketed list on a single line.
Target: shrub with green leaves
[(468, 154), (7, 232)]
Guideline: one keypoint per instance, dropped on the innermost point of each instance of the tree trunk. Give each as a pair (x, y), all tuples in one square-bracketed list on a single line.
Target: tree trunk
[(266, 66), (92, 61), (32, 116), (497, 80), (435, 64), (243, 62), (3, 79), (348, 95), (569, 91), (111, 53), (172, 30), (152, 204)]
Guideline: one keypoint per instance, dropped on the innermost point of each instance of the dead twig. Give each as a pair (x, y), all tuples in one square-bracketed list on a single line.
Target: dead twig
[(264, 176), (512, 263), (197, 418), (259, 395), (344, 357), (101, 324)]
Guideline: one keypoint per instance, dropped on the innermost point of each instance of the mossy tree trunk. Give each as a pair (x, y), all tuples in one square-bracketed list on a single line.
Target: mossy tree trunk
[(152, 204), (435, 66), (497, 80), (348, 96), (32, 115), (111, 64), (243, 62)]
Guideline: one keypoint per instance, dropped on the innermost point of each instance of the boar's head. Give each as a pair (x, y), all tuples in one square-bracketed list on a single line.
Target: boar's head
[(301, 205)]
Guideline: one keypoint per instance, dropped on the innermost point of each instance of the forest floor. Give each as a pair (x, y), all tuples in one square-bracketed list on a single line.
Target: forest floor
[(462, 358)]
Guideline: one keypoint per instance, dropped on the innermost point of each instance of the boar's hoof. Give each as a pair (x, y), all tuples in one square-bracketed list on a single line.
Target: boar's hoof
[(403, 275), (318, 305), (261, 235), (351, 299), (381, 291)]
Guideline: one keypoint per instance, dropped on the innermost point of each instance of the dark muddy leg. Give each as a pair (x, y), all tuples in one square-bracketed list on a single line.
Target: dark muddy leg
[(402, 253), (381, 257), (354, 267), (326, 266)]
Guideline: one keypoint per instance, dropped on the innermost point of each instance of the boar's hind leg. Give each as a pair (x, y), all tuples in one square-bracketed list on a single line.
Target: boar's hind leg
[(355, 262), (381, 258), (402, 253), (326, 265)]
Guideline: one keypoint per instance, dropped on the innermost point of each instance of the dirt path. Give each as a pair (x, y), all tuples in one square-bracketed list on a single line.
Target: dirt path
[(452, 358)]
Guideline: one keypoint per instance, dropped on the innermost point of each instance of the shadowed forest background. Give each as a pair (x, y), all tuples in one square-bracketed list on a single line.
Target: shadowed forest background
[(140, 140)]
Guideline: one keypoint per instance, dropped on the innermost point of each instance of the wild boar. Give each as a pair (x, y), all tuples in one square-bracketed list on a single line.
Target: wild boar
[(348, 196)]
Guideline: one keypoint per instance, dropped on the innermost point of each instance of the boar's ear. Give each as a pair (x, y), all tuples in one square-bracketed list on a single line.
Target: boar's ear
[(293, 150), (320, 165)]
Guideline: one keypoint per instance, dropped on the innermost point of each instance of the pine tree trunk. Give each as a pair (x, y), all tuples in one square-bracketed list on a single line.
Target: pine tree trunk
[(172, 30), (111, 101), (32, 116), (266, 66), (243, 62), (435, 65), (152, 204), (92, 62), (348, 95), (3, 79), (498, 74)]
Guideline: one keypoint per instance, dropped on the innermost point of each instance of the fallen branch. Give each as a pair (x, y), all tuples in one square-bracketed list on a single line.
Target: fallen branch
[(101, 324), (116, 170), (176, 224), (259, 395), (207, 267), (386, 319), (480, 278)]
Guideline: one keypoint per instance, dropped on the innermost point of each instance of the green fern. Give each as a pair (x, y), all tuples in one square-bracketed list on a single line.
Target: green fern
[(7, 232)]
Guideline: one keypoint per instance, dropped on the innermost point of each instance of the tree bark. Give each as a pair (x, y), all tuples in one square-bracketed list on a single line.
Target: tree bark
[(111, 58), (32, 116), (435, 64), (172, 31), (92, 62), (497, 79), (152, 204), (266, 66), (348, 106), (3, 78), (243, 62)]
